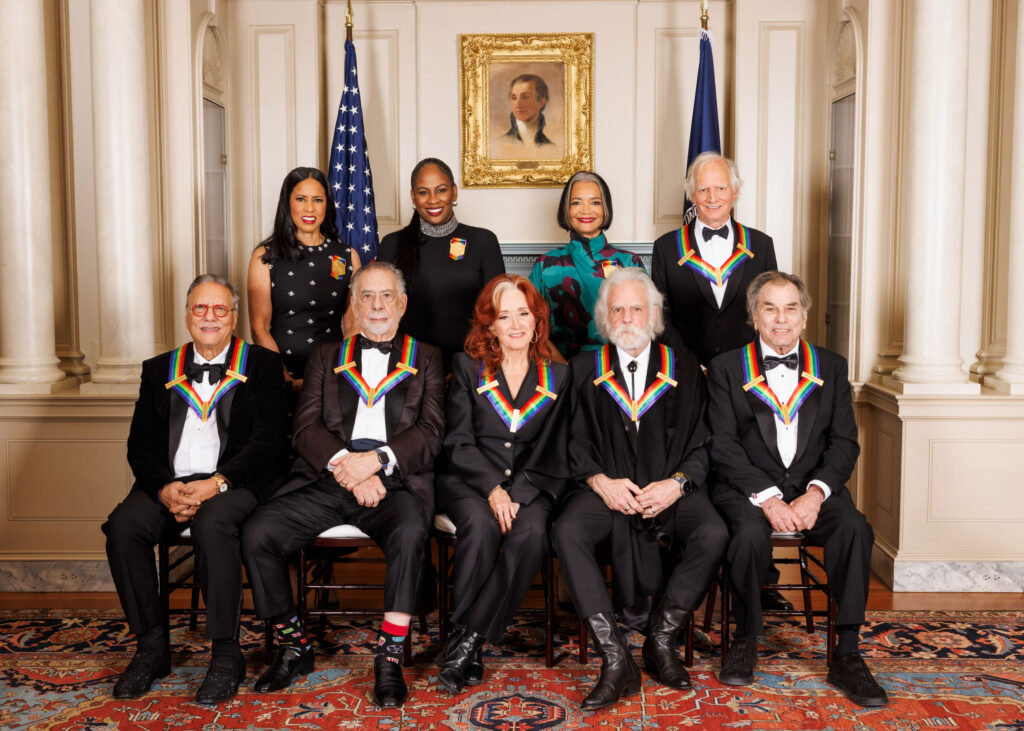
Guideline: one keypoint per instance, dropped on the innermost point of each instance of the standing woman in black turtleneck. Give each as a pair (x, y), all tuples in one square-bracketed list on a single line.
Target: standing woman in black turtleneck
[(445, 263), (570, 276)]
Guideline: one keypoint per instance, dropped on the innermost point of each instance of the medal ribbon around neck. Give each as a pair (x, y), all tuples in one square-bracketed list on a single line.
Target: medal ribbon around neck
[(755, 381), (635, 409), (233, 375), (716, 275), (403, 369), (515, 418)]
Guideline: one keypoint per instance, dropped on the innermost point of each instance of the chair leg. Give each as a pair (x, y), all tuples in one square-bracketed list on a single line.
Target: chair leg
[(709, 607), (548, 578), (268, 640), (805, 579), (688, 660), (302, 587), (830, 628), (583, 643), (408, 647), (443, 619), (193, 616)]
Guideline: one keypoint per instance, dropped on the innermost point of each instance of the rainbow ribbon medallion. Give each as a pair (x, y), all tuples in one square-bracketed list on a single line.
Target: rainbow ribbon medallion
[(664, 381), (403, 369), (716, 275), (233, 375), (513, 417), (755, 381)]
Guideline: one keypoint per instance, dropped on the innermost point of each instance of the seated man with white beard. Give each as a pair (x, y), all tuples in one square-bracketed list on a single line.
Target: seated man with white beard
[(639, 458)]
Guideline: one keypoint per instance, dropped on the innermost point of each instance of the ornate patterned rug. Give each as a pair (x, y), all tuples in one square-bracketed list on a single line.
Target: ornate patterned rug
[(943, 670)]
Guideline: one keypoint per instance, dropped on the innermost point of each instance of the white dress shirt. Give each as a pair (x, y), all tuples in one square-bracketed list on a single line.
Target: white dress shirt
[(199, 448), (369, 422), (715, 252), (783, 381), (634, 382)]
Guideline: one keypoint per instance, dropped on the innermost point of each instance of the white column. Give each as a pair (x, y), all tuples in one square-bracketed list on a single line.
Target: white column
[(124, 230), (1010, 378), (27, 351), (931, 361)]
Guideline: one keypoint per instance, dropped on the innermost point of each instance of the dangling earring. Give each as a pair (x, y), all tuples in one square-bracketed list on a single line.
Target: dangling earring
[(495, 346), (534, 339)]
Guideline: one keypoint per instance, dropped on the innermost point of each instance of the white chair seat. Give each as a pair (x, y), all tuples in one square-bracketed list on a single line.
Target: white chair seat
[(444, 524), (343, 531)]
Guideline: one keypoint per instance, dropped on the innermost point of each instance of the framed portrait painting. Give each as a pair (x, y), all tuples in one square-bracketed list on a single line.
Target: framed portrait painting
[(527, 108)]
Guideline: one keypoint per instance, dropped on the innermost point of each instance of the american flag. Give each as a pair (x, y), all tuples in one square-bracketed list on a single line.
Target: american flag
[(349, 174)]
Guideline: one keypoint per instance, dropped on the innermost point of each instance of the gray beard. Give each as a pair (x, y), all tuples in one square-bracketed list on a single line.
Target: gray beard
[(630, 337)]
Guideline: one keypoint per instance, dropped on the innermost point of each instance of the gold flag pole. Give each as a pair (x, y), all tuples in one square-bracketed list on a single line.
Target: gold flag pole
[(348, 21), (703, 14)]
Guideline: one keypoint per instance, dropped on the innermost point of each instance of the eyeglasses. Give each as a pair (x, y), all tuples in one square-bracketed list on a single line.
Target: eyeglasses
[(219, 311)]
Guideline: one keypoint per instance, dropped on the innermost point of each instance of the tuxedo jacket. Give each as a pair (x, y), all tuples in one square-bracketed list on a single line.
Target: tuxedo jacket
[(481, 451), (693, 313), (413, 414), (672, 435), (744, 445), (251, 421)]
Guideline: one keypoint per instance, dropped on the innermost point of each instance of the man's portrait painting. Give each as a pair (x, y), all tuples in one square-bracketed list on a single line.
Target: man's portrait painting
[(526, 108)]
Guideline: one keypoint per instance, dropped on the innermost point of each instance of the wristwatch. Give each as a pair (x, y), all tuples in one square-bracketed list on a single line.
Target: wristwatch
[(686, 486), (383, 457), (222, 482)]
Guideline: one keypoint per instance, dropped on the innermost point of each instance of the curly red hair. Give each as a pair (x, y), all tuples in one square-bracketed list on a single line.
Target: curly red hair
[(482, 344)]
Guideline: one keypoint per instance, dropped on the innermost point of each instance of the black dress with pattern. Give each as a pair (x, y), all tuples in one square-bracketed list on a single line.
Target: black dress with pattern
[(308, 298)]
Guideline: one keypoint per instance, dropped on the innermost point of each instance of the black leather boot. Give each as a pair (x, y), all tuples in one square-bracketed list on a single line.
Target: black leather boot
[(457, 659), (620, 675), (660, 656)]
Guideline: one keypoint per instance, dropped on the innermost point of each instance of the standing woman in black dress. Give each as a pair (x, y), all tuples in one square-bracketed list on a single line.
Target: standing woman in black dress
[(299, 276), (506, 424), (445, 263)]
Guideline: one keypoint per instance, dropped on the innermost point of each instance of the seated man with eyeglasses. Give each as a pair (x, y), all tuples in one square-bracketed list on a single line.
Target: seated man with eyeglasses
[(208, 444)]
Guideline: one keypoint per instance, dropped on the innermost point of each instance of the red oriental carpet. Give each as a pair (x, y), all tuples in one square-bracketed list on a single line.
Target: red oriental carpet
[(942, 670)]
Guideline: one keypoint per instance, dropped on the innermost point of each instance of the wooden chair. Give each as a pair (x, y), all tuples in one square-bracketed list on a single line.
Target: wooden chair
[(189, 582), (809, 581), (444, 534), (318, 576)]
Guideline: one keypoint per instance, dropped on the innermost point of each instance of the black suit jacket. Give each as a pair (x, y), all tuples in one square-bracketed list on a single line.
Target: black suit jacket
[(413, 414), (693, 314), (672, 433), (251, 420), (744, 445), (482, 452)]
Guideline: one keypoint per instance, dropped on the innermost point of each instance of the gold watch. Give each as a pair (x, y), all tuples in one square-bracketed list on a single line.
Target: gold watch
[(222, 482)]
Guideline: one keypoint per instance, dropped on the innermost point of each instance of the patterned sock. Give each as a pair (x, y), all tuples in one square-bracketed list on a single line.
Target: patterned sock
[(289, 630), (849, 638), (391, 642)]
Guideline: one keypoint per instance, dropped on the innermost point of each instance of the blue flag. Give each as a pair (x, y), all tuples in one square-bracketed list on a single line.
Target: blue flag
[(349, 173), (704, 125)]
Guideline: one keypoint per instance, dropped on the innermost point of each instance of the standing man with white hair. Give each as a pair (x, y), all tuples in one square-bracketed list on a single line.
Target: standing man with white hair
[(638, 453)]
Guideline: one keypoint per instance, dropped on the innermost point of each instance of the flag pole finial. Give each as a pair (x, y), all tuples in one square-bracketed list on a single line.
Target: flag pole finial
[(348, 20), (704, 14)]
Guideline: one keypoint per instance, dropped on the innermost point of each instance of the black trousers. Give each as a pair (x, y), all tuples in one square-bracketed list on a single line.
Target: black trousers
[(136, 526), (492, 572), (841, 529), (585, 522), (287, 523)]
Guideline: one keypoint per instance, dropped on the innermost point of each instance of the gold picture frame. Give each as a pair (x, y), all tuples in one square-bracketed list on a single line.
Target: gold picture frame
[(503, 79)]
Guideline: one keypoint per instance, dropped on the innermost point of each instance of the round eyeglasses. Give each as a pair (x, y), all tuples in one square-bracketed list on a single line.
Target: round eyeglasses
[(219, 311)]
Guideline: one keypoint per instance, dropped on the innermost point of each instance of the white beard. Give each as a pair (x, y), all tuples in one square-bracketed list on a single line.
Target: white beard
[(630, 337)]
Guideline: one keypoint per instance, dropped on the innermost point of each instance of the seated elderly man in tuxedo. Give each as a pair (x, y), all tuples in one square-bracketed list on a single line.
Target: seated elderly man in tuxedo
[(785, 443), (368, 425), (638, 453), (208, 442)]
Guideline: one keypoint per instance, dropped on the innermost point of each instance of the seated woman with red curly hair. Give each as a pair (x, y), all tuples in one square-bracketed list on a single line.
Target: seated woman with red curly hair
[(507, 416)]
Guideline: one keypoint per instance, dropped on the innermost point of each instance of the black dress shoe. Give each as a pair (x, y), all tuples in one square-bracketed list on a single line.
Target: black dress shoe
[(291, 662), (851, 675), (388, 684), (739, 662), (475, 669), (774, 601), (138, 677), (221, 681), (458, 658)]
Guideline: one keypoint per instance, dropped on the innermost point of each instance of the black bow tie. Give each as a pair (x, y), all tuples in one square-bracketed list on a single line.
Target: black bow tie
[(791, 361), (709, 232), (195, 371), (364, 343)]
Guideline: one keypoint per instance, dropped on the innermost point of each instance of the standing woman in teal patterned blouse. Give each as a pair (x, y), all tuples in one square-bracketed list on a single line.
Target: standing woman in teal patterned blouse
[(570, 276)]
